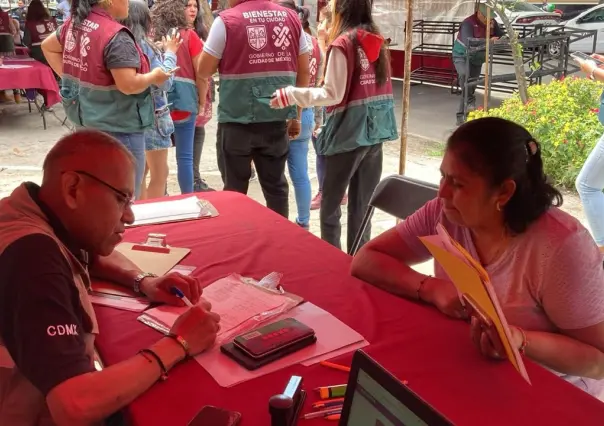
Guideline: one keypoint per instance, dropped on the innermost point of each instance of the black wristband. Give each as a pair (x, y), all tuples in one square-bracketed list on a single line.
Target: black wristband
[(164, 370)]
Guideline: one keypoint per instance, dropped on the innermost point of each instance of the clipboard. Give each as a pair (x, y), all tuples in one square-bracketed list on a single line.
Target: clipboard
[(153, 256), (473, 286)]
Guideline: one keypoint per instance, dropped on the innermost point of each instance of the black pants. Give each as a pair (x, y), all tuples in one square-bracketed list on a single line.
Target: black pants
[(473, 73), (359, 170), (267, 145), (198, 139)]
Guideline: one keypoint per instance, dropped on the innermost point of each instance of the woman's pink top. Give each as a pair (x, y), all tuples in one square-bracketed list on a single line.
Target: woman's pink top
[(549, 278)]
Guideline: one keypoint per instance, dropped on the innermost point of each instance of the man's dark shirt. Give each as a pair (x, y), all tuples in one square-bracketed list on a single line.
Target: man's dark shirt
[(42, 322)]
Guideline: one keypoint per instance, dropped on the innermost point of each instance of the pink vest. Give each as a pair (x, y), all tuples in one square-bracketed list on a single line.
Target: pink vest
[(84, 44), (39, 30), (4, 22), (262, 37), (183, 58), (361, 79), (315, 62)]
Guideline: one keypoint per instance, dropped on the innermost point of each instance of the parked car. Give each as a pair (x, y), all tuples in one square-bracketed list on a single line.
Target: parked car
[(523, 13), (591, 19)]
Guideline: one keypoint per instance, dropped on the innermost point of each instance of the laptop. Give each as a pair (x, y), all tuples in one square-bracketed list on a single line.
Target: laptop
[(374, 397)]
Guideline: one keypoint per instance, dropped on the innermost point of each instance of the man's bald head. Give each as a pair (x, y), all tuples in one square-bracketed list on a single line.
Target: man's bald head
[(88, 150)]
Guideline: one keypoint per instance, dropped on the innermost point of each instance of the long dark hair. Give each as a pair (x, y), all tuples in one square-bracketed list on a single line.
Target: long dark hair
[(167, 14), (498, 150), (303, 12), (139, 22), (80, 9), (352, 15), (203, 20), (36, 11)]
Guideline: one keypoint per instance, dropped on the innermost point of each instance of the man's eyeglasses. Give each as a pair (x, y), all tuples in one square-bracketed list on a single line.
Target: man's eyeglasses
[(124, 199)]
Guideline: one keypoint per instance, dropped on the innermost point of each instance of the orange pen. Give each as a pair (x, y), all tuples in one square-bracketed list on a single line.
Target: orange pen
[(335, 366)]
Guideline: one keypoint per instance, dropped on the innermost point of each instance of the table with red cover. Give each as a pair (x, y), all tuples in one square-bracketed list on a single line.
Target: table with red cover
[(37, 76), (413, 341)]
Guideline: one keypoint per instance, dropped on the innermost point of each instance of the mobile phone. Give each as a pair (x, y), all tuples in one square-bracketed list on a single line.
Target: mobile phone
[(272, 338), (580, 56), (172, 32), (173, 70), (214, 416)]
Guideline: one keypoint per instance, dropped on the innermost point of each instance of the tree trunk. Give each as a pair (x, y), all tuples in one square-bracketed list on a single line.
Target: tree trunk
[(516, 50)]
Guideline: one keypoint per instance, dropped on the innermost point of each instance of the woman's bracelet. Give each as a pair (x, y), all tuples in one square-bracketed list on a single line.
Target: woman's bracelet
[(421, 284), (524, 344)]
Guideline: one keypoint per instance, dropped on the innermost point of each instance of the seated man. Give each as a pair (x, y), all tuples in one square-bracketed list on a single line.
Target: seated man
[(53, 238)]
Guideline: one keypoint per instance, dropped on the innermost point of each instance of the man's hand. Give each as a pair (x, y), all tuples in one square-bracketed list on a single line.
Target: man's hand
[(294, 128), (159, 289), (198, 326)]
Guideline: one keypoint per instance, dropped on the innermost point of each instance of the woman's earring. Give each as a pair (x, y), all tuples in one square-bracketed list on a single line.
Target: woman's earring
[(498, 206)]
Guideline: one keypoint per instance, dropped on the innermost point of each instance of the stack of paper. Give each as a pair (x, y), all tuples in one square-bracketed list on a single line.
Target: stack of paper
[(244, 306), (172, 211), (125, 303), (471, 279)]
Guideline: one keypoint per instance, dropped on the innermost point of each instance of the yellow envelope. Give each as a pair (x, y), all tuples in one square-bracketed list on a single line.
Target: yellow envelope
[(470, 278)]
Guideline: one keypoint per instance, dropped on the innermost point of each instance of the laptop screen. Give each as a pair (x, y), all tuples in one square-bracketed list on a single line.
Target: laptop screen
[(373, 405)]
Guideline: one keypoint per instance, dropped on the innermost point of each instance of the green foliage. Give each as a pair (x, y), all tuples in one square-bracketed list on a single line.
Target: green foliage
[(563, 117)]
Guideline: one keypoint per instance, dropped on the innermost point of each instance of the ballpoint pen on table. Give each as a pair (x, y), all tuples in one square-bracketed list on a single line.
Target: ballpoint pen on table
[(323, 413), (178, 293)]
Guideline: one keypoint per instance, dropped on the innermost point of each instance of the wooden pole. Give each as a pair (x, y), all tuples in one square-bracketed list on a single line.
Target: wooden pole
[(486, 70), (406, 87)]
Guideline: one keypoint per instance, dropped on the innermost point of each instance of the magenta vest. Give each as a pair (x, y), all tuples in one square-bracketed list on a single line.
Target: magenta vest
[(84, 44), (39, 30), (361, 83), (260, 56), (4, 23), (315, 62)]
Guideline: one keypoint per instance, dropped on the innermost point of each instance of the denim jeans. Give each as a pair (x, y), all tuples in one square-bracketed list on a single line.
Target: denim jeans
[(297, 164), (590, 183), (135, 142), (184, 133)]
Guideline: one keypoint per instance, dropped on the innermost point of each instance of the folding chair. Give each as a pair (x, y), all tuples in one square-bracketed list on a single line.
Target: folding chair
[(399, 196)]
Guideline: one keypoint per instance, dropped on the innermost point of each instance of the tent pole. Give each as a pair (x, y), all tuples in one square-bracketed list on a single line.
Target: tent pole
[(487, 82), (406, 87)]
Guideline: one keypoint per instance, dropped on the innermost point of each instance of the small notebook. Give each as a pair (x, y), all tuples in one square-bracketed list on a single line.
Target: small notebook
[(172, 211), (153, 262)]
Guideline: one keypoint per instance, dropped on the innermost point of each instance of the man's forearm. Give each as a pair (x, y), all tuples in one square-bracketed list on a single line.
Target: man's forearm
[(92, 397), (565, 354), (202, 90), (116, 268)]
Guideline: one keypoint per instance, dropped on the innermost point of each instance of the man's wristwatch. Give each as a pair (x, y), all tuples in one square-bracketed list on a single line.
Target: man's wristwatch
[(139, 279)]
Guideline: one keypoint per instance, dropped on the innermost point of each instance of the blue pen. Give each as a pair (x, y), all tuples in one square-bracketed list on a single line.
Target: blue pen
[(178, 293)]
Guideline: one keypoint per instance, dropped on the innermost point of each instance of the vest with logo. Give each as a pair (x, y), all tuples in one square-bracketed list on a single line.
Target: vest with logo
[(479, 31), (260, 56), (365, 116), (21, 404), (88, 91), (6, 38), (183, 95), (315, 62), (39, 30)]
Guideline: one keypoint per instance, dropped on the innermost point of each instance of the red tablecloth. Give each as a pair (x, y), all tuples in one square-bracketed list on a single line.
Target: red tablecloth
[(37, 76), (413, 341)]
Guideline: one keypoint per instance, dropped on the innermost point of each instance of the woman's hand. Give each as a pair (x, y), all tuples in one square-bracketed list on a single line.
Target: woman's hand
[(588, 67), (294, 128), (322, 30), (486, 339), (159, 76), (444, 296), (172, 44)]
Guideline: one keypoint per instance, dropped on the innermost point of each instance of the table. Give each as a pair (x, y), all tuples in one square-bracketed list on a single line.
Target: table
[(415, 342), (37, 76)]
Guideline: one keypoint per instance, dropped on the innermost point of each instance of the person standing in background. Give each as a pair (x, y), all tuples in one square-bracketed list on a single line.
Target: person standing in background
[(258, 47), (157, 138), (64, 9), (188, 94), (360, 116), (590, 181), (474, 26), (106, 77), (200, 18)]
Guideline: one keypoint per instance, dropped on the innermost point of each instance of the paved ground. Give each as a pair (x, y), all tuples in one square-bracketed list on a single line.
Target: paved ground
[(24, 143)]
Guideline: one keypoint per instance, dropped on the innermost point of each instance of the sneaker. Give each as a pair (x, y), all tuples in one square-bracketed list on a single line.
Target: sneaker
[(344, 200), (17, 98), (305, 227), (202, 186), (315, 204)]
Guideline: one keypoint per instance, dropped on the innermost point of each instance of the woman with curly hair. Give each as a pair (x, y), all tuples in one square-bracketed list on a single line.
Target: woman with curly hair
[(188, 94), (106, 77)]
